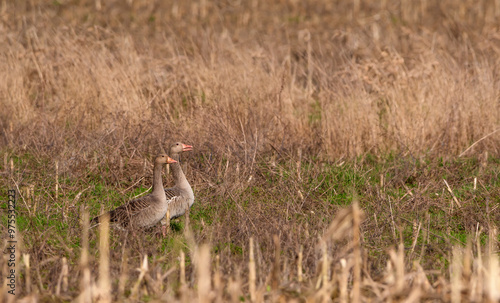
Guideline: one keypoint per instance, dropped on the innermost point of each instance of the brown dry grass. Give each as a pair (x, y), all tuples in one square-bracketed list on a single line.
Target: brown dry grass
[(245, 76), (283, 102)]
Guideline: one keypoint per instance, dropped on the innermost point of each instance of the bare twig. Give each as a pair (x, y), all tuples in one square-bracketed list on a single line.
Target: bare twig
[(452, 194), (473, 144)]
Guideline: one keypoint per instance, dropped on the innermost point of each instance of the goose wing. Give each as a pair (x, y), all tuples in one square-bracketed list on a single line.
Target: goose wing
[(172, 193), (177, 203), (122, 214)]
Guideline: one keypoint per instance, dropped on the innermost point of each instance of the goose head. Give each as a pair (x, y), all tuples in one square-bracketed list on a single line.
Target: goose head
[(179, 147), (164, 159)]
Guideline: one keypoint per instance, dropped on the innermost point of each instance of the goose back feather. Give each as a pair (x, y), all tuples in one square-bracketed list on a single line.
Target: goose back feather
[(145, 211)]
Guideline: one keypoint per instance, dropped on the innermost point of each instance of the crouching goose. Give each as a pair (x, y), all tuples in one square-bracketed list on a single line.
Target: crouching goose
[(145, 211), (180, 197)]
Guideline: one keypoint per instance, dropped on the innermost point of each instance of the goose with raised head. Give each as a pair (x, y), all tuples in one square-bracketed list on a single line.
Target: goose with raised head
[(145, 211), (180, 197)]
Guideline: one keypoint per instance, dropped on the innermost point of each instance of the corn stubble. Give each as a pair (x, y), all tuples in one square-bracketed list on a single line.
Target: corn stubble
[(474, 275), (95, 87)]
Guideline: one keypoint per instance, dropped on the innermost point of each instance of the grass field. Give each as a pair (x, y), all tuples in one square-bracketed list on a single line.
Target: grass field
[(344, 151)]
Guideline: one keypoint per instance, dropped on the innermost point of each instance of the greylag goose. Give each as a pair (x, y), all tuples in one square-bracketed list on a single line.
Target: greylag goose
[(180, 197), (145, 211)]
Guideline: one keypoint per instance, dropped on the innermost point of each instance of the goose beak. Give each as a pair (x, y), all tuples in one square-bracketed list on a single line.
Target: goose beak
[(186, 147), (170, 160)]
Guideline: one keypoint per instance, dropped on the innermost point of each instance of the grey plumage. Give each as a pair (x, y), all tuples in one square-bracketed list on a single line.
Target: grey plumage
[(178, 203), (180, 197), (172, 192), (145, 211), (142, 212)]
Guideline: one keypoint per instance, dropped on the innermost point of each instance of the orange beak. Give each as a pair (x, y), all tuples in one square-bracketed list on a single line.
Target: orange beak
[(170, 160), (186, 147)]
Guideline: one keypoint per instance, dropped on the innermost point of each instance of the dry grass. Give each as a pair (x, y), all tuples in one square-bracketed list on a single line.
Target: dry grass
[(245, 77), (294, 109)]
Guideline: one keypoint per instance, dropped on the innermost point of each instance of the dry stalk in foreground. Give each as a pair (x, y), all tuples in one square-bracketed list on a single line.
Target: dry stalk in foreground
[(85, 280), (340, 277), (104, 285)]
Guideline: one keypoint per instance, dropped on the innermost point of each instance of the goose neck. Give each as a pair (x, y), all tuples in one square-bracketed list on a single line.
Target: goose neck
[(157, 181), (177, 173)]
